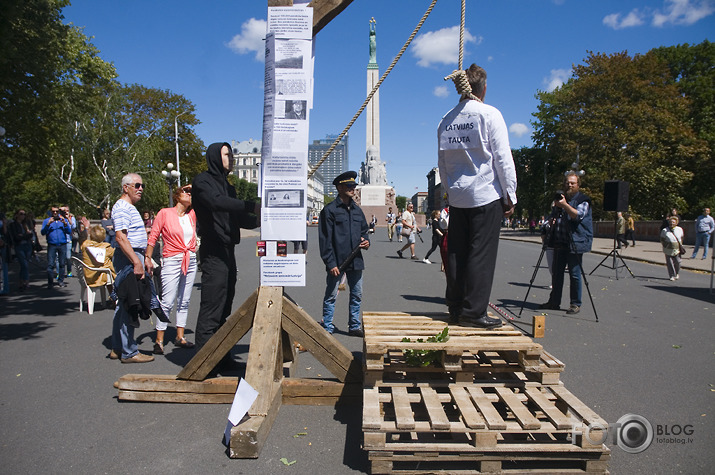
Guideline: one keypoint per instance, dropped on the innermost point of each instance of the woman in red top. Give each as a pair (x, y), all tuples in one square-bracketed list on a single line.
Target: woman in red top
[(177, 228)]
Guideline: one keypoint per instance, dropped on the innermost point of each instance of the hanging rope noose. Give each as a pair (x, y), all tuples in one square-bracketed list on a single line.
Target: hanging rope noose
[(459, 76), (374, 90)]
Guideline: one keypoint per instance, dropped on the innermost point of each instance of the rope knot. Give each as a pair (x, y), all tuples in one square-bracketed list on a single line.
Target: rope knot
[(461, 83)]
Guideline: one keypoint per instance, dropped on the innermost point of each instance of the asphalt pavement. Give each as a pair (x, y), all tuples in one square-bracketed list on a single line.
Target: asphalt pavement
[(650, 353)]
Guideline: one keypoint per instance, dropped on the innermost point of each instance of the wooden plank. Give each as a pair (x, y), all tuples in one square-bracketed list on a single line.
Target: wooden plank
[(248, 437), (263, 352), (404, 417), (471, 416), (319, 392), (491, 415), (236, 326), (438, 419), (321, 344), (558, 418), (521, 412), (589, 416), (371, 416), (175, 397), (325, 10), (170, 383)]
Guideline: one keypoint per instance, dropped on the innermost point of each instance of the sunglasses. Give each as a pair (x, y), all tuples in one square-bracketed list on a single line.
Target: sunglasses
[(137, 185)]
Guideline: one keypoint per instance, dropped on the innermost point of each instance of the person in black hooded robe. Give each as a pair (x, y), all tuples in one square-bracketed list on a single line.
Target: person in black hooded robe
[(219, 215)]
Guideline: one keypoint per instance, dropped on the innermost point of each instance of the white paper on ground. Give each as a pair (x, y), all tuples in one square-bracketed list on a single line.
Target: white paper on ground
[(242, 402)]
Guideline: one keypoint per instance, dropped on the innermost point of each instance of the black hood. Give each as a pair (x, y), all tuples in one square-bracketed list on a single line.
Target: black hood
[(213, 159)]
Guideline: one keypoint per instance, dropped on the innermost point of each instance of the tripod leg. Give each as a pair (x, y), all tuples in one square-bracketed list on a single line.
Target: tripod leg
[(600, 263), (626, 266), (533, 278), (588, 289)]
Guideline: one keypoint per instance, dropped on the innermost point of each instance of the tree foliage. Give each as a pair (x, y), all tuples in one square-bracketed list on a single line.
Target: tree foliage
[(72, 130), (623, 118)]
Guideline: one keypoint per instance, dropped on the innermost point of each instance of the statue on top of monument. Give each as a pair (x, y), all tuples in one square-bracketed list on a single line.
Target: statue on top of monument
[(372, 171), (373, 42)]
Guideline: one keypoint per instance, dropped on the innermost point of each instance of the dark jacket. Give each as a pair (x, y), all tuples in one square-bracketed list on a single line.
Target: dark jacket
[(581, 230), (340, 232), (219, 214)]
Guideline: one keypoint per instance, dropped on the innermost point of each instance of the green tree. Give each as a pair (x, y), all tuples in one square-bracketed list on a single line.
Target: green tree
[(622, 118), (401, 202), (692, 68), (533, 192)]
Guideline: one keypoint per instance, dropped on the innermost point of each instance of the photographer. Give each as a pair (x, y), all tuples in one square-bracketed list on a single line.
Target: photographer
[(56, 228), (571, 236)]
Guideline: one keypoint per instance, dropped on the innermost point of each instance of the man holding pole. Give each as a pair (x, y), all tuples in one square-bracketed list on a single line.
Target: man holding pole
[(343, 235)]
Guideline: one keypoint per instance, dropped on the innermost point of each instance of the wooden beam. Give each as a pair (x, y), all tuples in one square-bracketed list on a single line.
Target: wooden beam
[(221, 343), (265, 364), (321, 344), (248, 437)]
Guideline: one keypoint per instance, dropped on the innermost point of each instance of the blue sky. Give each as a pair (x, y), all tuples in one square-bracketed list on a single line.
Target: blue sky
[(211, 52)]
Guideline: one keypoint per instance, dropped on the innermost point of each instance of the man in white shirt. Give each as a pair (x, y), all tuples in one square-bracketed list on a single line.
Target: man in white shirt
[(409, 222), (477, 169)]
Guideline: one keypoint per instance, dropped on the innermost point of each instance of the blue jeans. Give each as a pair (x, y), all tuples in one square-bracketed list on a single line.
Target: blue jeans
[(701, 239), (56, 253), (561, 258), (331, 292), (122, 331), (23, 251)]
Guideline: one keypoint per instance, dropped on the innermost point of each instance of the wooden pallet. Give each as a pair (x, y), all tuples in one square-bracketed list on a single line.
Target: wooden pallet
[(472, 422), (477, 463), (383, 343), (473, 367)]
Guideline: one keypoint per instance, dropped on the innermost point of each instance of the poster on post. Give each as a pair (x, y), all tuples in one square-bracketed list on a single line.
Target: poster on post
[(284, 154)]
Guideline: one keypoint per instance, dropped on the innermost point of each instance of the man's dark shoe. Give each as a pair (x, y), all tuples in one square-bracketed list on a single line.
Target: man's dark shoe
[(356, 332), (487, 322), (399, 253), (573, 309), (549, 306)]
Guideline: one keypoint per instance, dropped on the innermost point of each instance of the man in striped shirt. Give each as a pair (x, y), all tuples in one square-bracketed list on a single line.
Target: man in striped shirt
[(131, 241)]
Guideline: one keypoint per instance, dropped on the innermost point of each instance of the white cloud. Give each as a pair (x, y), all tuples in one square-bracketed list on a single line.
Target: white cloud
[(440, 47), (675, 12), (683, 12), (556, 79), (518, 129), (253, 31), (634, 18), (441, 91)]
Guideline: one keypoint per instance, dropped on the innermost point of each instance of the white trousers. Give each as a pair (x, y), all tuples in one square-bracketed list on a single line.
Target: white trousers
[(176, 289)]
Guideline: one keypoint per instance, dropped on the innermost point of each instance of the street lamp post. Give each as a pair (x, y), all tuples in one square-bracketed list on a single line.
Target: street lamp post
[(171, 176), (176, 141)]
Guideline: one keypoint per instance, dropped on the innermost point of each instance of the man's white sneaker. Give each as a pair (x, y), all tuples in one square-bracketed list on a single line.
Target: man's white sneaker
[(426, 261)]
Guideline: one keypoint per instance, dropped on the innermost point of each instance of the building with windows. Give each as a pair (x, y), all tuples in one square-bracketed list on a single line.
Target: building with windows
[(435, 191), (334, 165), (247, 159)]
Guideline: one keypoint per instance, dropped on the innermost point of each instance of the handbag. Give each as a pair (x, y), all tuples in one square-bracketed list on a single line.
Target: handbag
[(406, 231), (681, 248)]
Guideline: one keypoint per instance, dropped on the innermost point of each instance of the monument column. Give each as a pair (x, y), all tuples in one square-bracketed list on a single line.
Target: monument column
[(372, 135)]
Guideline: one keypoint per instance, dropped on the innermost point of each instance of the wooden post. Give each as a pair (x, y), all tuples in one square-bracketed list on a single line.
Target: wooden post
[(539, 322)]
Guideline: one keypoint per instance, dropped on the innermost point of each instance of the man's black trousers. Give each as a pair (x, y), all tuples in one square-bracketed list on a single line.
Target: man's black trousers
[(472, 244), (218, 286)]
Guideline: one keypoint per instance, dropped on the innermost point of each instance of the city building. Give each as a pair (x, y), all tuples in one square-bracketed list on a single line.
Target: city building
[(334, 165), (435, 191), (316, 191), (419, 201), (247, 159)]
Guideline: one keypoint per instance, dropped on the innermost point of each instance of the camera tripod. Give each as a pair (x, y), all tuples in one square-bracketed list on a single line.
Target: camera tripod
[(614, 254), (544, 246)]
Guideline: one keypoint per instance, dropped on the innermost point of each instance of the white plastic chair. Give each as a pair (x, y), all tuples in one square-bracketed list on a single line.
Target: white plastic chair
[(91, 292)]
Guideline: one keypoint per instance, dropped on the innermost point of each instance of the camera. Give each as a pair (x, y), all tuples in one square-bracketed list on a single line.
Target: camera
[(558, 195)]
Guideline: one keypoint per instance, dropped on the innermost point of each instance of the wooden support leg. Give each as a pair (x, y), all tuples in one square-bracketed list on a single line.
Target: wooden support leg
[(221, 343), (321, 344), (248, 437)]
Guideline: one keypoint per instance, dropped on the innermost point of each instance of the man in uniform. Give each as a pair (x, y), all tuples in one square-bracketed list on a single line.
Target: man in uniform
[(343, 227)]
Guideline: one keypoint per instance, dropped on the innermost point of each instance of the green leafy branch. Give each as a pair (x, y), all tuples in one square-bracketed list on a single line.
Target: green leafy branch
[(422, 358)]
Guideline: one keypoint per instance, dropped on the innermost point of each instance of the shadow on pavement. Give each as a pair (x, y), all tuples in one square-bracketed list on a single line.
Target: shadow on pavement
[(22, 331)]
